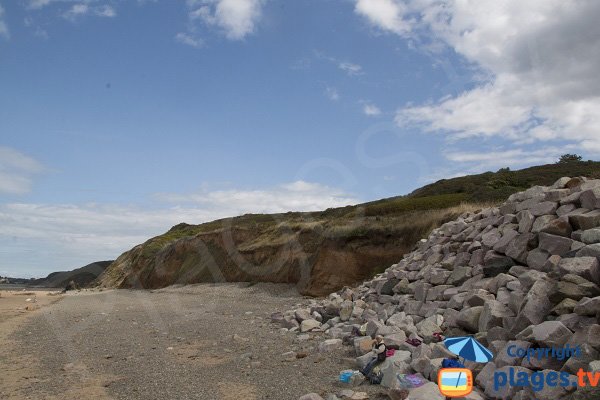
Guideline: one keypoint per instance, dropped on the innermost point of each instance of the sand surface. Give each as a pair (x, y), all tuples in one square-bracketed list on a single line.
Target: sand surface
[(208, 342)]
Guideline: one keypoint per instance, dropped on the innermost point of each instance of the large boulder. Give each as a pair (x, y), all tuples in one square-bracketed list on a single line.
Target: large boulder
[(548, 334), (468, 318), (586, 267), (536, 305), (492, 315)]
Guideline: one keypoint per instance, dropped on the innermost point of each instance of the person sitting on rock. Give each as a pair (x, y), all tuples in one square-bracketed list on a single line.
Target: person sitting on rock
[(379, 355)]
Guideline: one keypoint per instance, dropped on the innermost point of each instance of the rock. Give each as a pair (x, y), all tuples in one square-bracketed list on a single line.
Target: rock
[(507, 391), (565, 209), (330, 345), (590, 199), (559, 227), (309, 325), (591, 236), (518, 249), (588, 307), (574, 287), (477, 298), (548, 334), (581, 361), (591, 250), (429, 391), (542, 222), (585, 221), (566, 306), (492, 315), (589, 334), (501, 245), (363, 345), (526, 220), (503, 359), (586, 267), (495, 264), (544, 208), (535, 306), (302, 314), (537, 259), (346, 310), (468, 318), (311, 396), (554, 244)]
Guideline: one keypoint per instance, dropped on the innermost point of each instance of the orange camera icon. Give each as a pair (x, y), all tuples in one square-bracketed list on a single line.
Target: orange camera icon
[(455, 382)]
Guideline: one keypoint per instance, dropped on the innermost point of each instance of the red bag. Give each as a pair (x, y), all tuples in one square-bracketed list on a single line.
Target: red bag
[(390, 352)]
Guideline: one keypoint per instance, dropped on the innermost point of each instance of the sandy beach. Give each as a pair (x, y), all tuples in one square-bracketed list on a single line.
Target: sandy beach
[(193, 342)]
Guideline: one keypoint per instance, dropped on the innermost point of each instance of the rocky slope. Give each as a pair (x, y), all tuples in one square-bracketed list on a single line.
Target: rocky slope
[(82, 277), (525, 274), (321, 251)]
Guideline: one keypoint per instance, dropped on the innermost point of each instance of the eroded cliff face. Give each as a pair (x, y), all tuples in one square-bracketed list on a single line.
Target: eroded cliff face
[(316, 263)]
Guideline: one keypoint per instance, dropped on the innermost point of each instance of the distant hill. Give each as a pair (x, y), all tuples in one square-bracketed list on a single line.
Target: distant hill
[(83, 276), (320, 251)]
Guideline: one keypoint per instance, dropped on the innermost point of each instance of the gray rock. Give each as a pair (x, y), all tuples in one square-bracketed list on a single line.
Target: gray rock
[(526, 220), (544, 208), (519, 248), (590, 199), (535, 307), (495, 264), (429, 391), (309, 325), (588, 307), (589, 334), (503, 359), (559, 227), (581, 361), (548, 333), (542, 222), (502, 244), (591, 236), (591, 250), (585, 221), (311, 396), (564, 210), (566, 306), (586, 267), (554, 244), (468, 318), (330, 345), (537, 259), (492, 315), (506, 392)]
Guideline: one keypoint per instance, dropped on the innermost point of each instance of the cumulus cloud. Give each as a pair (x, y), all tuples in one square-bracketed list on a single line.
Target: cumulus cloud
[(79, 234), (16, 171), (4, 32), (371, 110), (236, 18), (536, 64)]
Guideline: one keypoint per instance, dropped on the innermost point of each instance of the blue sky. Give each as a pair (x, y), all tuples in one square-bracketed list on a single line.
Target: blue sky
[(119, 119)]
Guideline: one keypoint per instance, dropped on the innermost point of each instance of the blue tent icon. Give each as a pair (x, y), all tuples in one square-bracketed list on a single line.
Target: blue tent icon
[(469, 349)]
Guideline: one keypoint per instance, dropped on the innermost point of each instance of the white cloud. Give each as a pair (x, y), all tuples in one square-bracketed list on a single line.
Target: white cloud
[(350, 68), (37, 4), (16, 171), (83, 9), (371, 110), (295, 196), (538, 59), (189, 39), (503, 158), (332, 93), (4, 32), (386, 14), (105, 11), (236, 18), (46, 237)]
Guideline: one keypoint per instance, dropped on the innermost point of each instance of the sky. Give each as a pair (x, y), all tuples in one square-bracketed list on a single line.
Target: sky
[(122, 118)]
